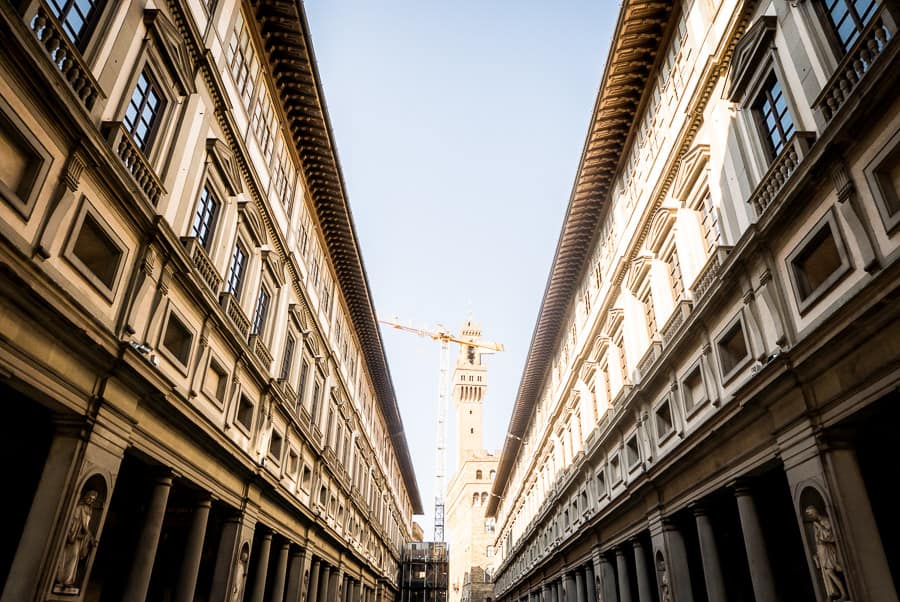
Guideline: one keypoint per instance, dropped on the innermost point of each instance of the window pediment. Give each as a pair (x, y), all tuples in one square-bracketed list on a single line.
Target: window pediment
[(662, 223), (250, 218), (748, 54), (692, 165), (169, 44), (223, 160)]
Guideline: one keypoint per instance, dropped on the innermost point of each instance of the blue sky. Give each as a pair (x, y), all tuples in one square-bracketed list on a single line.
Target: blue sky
[(459, 127)]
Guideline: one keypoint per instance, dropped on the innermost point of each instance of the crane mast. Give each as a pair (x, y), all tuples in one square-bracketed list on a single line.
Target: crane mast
[(445, 338)]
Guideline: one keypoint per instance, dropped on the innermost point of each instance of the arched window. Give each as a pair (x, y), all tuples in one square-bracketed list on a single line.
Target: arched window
[(483, 498), (493, 474), (479, 475), (475, 499)]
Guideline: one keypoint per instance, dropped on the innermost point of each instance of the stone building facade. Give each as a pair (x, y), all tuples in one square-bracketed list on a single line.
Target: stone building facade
[(197, 400), (471, 535), (708, 405)]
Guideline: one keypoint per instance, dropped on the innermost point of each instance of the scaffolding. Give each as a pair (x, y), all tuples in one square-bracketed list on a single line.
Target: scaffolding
[(423, 573)]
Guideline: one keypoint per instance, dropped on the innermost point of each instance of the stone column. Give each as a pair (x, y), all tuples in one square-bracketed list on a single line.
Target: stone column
[(295, 575), (590, 582), (142, 564), (673, 576), (554, 592), (262, 569), (334, 583), (312, 591), (709, 552), (232, 558), (869, 570), (193, 550), (569, 581), (624, 579), (645, 589), (757, 556), (545, 593), (357, 591), (324, 583), (22, 580), (277, 594), (580, 589), (607, 580)]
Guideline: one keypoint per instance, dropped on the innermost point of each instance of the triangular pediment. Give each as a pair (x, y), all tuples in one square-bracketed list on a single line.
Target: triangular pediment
[(662, 223), (692, 165), (251, 220), (223, 161), (169, 43), (748, 54)]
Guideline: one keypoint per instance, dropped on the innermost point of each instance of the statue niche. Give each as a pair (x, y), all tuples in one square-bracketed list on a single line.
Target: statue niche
[(823, 544), (80, 537)]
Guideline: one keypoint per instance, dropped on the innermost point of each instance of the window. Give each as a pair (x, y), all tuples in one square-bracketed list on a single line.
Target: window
[(262, 310), (143, 112), (818, 263), (306, 478), (478, 475), (301, 391), (774, 118), (848, 18), (732, 349), (215, 382), (615, 471), (663, 419), (314, 411), (293, 463), (236, 270), (95, 252), (243, 61), (693, 389), (632, 453), (288, 357), (77, 17), (244, 415), (493, 474), (24, 162), (177, 339), (275, 445), (601, 484), (205, 218)]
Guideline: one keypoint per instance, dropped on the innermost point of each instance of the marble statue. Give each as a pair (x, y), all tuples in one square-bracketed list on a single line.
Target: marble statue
[(78, 544), (826, 555)]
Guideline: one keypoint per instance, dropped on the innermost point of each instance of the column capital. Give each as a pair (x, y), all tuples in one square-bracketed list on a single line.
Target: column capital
[(699, 508), (742, 487)]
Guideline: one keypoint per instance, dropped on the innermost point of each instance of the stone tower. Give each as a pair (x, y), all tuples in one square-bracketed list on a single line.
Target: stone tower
[(470, 536), (469, 388)]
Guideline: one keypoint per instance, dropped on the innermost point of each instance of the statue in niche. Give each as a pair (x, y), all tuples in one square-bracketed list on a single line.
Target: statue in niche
[(78, 544), (826, 556), (240, 574), (665, 594)]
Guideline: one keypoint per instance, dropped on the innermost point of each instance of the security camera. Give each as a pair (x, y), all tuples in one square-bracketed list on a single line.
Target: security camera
[(140, 347)]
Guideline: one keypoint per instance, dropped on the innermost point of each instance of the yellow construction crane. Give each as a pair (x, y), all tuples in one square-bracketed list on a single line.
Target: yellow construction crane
[(445, 337)]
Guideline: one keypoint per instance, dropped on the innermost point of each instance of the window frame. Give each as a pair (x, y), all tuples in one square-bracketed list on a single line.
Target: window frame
[(742, 363), (804, 304), (261, 311), (764, 91), (210, 359), (883, 190), (830, 28), (211, 189), (662, 438), (148, 146), (695, 367), (87, 209), (183, 367), (16, 128), (239, 289)]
